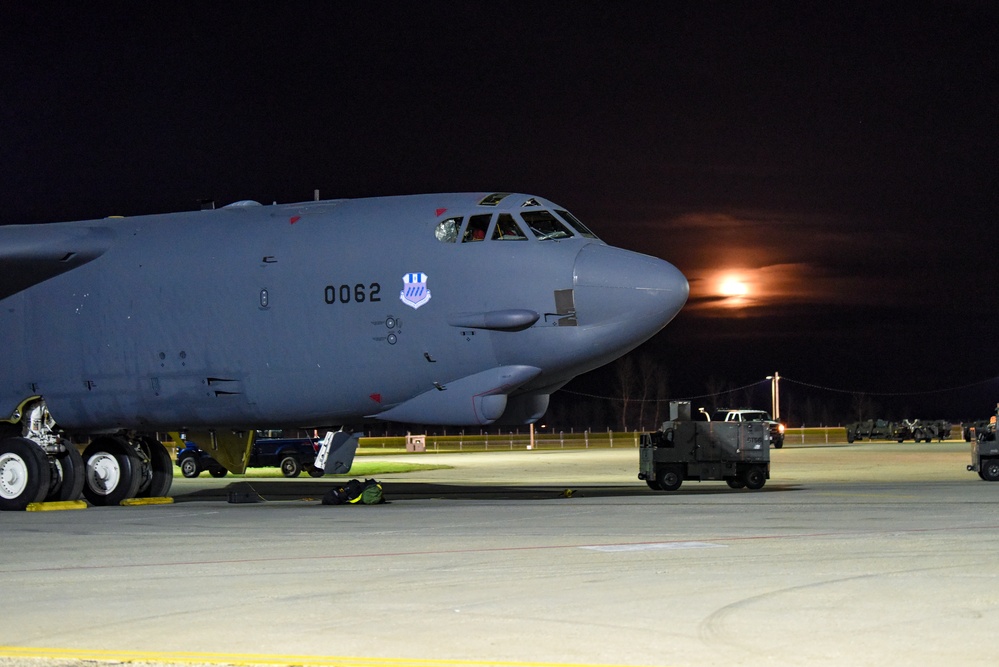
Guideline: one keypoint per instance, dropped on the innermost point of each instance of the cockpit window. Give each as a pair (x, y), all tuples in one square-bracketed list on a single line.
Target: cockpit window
[(476, 229), (576, 224), (493, 199), (447, 230), (545, 225), (507, 229)]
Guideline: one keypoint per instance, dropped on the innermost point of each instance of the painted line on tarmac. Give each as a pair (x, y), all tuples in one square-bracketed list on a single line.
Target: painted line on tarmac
[(658, 546), (247, 659)]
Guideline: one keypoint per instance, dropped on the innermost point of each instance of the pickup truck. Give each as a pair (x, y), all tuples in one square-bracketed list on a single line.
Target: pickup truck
[(270, 450), (750, 415)]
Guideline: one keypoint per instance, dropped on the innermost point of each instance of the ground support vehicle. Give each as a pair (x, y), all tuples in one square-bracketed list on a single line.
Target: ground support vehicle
[(969, 429), (985, 452), (928, 431), (737, 452), (916, 430)]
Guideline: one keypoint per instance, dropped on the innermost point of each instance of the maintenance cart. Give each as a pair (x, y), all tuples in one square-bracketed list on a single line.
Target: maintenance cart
[(737, 452)]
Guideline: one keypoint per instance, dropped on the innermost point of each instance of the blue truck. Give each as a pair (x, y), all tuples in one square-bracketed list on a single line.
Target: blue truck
[(271, 449)]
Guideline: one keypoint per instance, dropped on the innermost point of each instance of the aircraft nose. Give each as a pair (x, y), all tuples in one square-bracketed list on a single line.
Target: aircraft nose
[(615, 285)]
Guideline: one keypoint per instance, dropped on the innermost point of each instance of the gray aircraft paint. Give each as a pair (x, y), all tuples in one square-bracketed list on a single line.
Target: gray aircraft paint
[(255, 316)]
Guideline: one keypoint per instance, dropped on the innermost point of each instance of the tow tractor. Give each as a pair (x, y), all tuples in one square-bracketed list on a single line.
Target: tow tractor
[(683, 449), (985, 451)]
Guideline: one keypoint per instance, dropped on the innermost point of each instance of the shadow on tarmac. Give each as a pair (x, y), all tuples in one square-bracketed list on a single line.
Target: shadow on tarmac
[(263, 491)]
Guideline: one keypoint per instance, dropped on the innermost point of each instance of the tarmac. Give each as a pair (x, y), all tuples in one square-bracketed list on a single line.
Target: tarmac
[(865, 554)]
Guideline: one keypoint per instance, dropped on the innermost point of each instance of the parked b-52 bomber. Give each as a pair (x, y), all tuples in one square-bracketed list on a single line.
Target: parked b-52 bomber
[(433, 309)]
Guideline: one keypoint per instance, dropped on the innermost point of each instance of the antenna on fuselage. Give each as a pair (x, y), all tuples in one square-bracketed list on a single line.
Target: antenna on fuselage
[(315, 195)]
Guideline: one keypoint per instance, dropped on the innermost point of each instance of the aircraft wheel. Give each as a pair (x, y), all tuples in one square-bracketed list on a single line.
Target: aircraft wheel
[(24, 474), (754, 478), (735, 483), (72, 474), (990, 470), (218, 472), (189, 467), (290, 467), (316, 472), (161, 469), (114, 471), (670, 477)]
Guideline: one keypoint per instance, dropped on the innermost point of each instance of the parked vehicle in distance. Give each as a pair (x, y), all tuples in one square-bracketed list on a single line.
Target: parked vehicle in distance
[(271, 449), (750, 415), (193, 460), (916, 430)]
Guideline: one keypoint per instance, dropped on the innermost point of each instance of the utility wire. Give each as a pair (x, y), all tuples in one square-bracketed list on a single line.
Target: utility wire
[(792, 381), (890, 393), (666, 400)]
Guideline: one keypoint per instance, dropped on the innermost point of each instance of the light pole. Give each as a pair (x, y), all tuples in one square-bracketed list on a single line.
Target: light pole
[(775, 394)]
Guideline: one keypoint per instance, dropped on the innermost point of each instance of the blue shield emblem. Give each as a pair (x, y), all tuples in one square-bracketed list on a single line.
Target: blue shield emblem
[(414, 290)]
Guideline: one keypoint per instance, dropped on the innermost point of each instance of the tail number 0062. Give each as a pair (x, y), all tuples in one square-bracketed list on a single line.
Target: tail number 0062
[(358, 293)]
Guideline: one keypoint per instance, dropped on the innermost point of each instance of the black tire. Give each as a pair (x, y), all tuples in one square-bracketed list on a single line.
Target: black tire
[(189, 466), (160, 469), (72, 475), (315, 472), (290, 466), (670, 477), (25, 475), (654, 485), (735, 483), (990, 470), (114, 471), (754, 477), (218, 472)]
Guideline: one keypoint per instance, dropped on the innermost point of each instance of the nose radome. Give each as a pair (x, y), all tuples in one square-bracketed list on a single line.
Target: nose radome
[(615, 284)]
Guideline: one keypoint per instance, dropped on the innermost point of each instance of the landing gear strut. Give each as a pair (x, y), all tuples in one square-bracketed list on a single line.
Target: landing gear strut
[(44, 465)]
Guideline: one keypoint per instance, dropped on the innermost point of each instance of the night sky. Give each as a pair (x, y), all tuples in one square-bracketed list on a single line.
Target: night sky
[(837, 164)]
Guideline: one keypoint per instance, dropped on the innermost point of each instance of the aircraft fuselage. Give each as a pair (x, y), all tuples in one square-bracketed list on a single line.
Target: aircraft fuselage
[(434, 309), (293, 314)]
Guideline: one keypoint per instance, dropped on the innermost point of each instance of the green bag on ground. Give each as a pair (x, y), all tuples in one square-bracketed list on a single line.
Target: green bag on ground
[(372, 493)]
